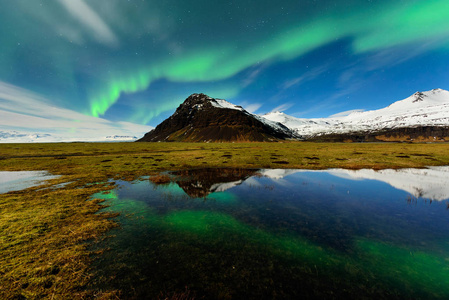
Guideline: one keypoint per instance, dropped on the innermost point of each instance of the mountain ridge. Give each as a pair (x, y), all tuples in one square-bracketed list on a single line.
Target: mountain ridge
[(422, 117), (422, 114)]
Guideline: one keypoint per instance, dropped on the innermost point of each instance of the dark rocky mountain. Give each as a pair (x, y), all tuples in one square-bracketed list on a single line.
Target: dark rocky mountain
[(204, 119)]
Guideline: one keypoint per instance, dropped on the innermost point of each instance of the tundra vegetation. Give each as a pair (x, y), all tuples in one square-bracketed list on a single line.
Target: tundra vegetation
[(45, 231)]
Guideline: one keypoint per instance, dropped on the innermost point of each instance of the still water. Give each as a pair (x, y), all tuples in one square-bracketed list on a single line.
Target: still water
[(16, 181), (280, 234)]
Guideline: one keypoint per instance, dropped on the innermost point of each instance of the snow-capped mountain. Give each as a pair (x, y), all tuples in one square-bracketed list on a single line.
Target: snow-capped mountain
[(430, 108), (19, 137), (120, 138)]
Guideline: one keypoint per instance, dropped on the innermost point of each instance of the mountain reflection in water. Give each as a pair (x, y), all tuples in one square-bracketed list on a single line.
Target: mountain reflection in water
[(429, 183), (289, 234), (201, 182)]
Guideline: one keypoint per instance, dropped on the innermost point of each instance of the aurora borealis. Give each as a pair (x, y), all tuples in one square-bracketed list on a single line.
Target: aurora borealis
[(137, 60)]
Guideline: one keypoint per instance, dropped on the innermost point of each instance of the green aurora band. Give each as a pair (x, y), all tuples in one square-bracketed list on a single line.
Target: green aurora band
[(370, 29)]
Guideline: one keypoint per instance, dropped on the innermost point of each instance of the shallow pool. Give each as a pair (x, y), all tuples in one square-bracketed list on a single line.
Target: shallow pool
[(16, 181), (287, 234)]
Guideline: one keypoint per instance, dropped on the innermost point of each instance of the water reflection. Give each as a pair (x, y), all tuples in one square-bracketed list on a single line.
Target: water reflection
[(201, 182), (429, 183), (250, 234), (16, 181)]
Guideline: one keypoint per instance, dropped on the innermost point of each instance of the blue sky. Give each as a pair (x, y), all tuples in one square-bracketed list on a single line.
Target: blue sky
[(137, 60)]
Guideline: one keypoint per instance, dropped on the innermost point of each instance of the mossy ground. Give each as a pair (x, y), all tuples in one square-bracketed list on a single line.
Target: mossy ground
[(43, 230)]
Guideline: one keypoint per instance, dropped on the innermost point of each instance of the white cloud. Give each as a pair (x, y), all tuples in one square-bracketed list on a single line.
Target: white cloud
[(394, 56), (252, 107), (29, 113), (282, 107), (252, 76), (345, 113), (306, 76), (91, 20)]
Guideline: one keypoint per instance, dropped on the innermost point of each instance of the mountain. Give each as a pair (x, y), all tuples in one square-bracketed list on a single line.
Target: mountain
[(202, 119), (424, 116), (120, 138)]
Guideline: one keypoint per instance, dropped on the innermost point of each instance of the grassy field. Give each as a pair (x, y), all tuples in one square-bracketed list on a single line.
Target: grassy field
[(43, 230)]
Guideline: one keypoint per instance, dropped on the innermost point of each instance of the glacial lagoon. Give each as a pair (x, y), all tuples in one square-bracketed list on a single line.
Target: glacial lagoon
[(280, 234)]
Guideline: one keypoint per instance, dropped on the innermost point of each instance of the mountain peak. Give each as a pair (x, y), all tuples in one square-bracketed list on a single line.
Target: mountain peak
[(436, 91), (197, 101), (422, 99), (198, 97)]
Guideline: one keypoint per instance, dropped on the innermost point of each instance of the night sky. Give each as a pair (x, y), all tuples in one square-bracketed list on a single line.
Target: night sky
[(137, 60)]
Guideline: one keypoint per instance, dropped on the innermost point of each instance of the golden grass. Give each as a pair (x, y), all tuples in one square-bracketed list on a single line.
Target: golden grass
[(43, 231)]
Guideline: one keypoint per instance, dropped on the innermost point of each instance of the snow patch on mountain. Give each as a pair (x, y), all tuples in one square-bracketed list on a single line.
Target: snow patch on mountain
[(221, 103)]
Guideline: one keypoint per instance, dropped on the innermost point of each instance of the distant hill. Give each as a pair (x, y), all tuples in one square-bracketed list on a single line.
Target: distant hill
[(204, 119), (36, 137)]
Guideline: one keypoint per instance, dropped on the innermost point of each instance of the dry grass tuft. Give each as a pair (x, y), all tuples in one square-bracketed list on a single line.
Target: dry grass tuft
[(160, 179)]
